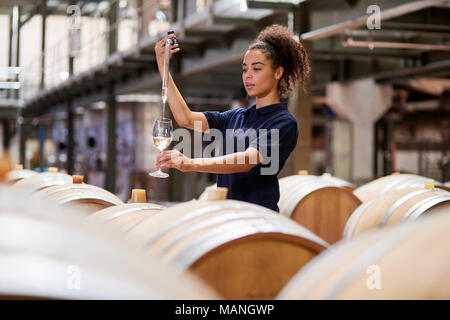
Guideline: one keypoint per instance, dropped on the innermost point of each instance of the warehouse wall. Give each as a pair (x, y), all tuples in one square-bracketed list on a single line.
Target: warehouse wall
[(4, 39)]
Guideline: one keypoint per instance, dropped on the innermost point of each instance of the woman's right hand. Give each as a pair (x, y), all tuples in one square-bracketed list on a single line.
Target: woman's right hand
[(160, 50)]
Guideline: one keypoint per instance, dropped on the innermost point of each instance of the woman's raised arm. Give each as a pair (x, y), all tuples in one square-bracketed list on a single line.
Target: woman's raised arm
[(181, 112)]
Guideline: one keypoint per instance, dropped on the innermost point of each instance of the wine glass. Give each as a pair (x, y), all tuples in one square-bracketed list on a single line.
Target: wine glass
[(162, 137)]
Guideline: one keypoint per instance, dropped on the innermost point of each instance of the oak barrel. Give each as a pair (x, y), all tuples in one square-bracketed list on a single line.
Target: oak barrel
[(317, 204), (48, 255), (410, 261), (243, 251), (43, 180), (394, 207), (119, 219), (338, 181), (392, 182), (16, 175), (85, 197)]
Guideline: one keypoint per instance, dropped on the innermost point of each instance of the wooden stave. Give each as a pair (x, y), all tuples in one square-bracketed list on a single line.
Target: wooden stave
[(385, 184), (17, 175), (43, 180), (112, 217), (309, 186), (340, 273), (87, 199), (338, 182), (159, 225), (220, 219), (51, 192), (403, 204), (59, 240), (192, 255)]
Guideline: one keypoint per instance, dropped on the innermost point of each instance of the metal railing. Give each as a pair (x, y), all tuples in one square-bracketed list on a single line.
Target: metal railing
[(132, 24)]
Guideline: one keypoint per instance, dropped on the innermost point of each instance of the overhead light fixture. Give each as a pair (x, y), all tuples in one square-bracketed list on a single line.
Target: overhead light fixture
[(123, 3), (64, 75), (394, 45)]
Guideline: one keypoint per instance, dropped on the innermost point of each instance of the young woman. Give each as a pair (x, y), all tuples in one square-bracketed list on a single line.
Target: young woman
[(273, 65)]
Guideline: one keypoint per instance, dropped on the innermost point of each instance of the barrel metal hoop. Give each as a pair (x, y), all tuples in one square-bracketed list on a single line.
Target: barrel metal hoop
[(418, 205), (428, 205), (395, 182), (283, 223), (65, 187), (236, 215), (203, 211), (414, 182), (287, 209), (229, 232), (129, 210), (299, 194), (355, 217), (398, 203), (290, 192), (129, 229), (83, 196)]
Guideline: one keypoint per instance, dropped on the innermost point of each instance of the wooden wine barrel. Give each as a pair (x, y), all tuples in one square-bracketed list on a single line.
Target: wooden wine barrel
[(316, 204), (85, 197), (410, 261), (392, 182), (19, 174), (394, 207), (43, 180), (243, 251), (119, 219), (338, 181), (48, 255)]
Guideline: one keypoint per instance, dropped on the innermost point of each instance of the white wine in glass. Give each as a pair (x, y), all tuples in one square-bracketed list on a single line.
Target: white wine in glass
[(162, 137)]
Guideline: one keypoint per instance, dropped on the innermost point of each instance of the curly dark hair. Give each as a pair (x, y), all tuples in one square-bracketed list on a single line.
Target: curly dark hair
[(280, 47)]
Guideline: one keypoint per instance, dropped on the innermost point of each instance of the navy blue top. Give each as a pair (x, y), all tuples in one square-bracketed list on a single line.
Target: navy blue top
[(275, 135)]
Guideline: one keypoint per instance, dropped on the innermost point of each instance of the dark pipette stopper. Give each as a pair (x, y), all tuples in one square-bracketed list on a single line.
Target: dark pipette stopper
[(174, 40)]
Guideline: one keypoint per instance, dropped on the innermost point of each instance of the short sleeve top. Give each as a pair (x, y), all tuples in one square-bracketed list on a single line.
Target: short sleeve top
[(273, 131)]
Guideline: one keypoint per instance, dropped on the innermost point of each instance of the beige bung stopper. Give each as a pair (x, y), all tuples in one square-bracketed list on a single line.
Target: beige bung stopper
[(52, 169), (429, 184), (5, 167), (138, 196), (303, 172), (216, 193)]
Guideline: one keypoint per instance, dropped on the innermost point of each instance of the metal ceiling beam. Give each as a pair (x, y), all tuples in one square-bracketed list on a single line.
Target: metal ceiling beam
[(12, 3), (351, 54), (427, 70), (416, 26), (389, 11), (273, 5)]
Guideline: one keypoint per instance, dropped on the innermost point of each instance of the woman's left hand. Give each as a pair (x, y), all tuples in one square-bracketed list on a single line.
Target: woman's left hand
[(173, 159)]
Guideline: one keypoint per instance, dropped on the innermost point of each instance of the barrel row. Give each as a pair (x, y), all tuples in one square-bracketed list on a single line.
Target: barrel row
[(243, 251), (47, 252), (406, 261), (189, 237), (223, 242)]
